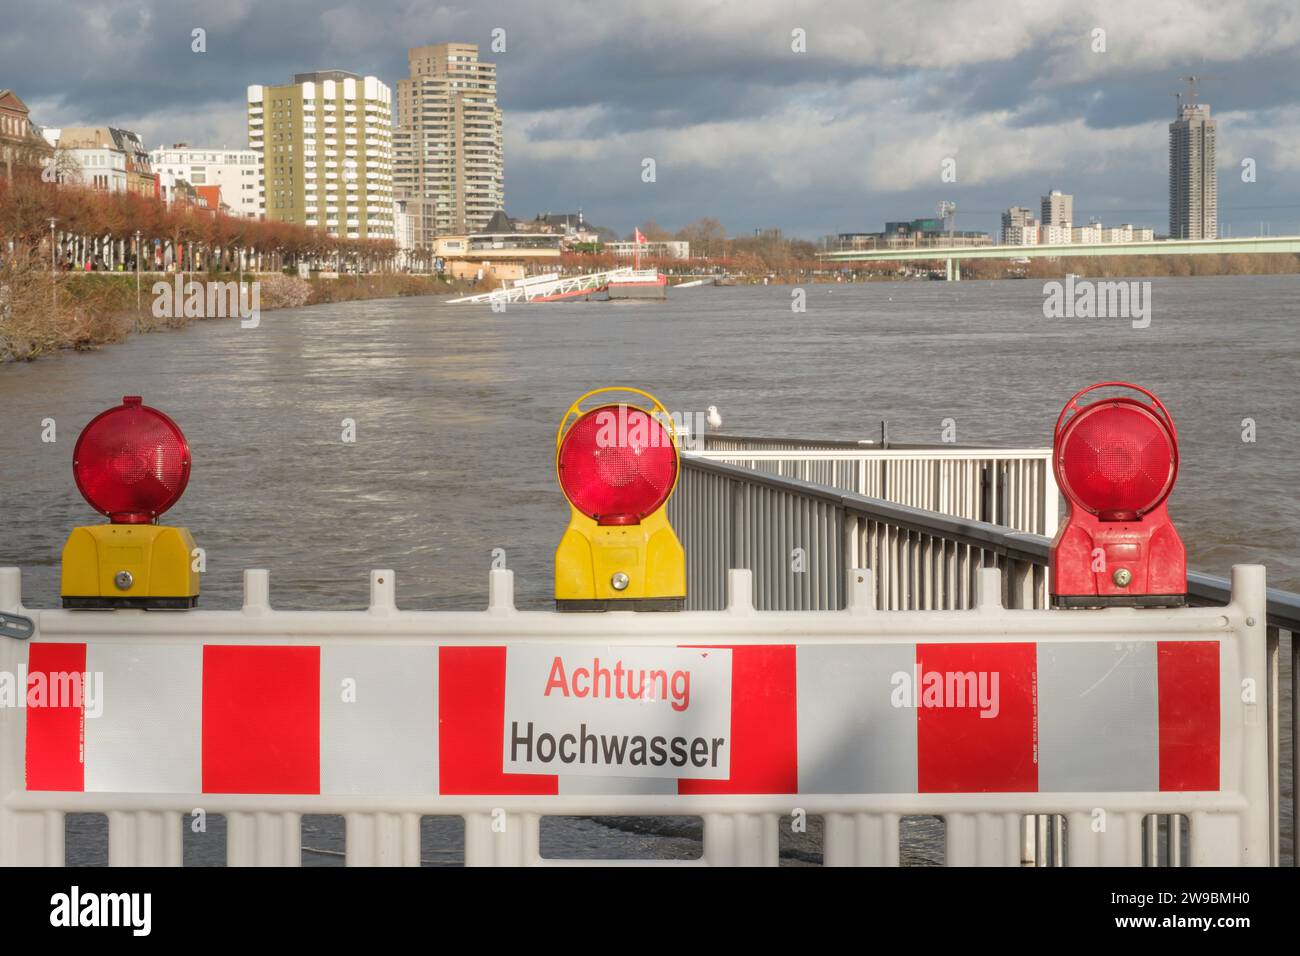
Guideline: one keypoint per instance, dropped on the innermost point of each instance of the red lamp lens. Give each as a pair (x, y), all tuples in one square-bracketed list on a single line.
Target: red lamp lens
[(617, 464), (1117, 460), (131, 463)]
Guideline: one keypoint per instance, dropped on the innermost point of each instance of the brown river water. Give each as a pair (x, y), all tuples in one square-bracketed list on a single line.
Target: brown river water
[(456, 409)]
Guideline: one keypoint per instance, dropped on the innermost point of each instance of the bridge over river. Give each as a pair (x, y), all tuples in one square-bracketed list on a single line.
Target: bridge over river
[(953, 255)]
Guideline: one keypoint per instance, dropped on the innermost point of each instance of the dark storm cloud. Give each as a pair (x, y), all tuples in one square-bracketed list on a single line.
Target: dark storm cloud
[(742, 127)]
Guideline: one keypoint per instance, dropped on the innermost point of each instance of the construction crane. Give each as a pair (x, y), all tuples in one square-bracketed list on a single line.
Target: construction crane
[(1192, 92)]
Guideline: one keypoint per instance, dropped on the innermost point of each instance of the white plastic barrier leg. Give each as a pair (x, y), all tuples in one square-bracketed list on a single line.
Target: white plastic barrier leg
[(383, 839), (263, 839), (144, 838), (498, 838), (860, 839)]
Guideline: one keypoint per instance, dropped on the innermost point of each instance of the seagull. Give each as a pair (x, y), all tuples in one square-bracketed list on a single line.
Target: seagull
[(714, 419)]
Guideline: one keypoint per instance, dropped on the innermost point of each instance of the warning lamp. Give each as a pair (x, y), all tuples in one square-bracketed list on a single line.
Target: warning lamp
[(1115, 461), (131, 463), (617, 464)]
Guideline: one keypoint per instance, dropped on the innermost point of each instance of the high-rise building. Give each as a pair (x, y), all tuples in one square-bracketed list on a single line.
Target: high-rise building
[(1193, 183), (237, 171), (327, 153), (1015, 221), (447, 139), (1058, 209)]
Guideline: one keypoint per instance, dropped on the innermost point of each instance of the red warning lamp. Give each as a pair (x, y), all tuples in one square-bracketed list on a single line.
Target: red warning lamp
[(617, 465), (1116, 460), (617, 482), (131, 463)]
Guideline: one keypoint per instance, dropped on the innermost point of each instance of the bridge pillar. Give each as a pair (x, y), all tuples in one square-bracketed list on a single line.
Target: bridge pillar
[(948, 274), (956, 270)]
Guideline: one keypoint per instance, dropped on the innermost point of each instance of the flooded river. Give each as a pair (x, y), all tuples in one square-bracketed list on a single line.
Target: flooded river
[(455, 410)]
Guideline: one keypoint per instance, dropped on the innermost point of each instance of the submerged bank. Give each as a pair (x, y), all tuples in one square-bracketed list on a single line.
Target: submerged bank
[(82, 311)]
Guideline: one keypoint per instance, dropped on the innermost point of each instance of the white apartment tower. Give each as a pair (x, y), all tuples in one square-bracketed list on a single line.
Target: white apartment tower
[(237, 171), (447, 139), (327, 152)]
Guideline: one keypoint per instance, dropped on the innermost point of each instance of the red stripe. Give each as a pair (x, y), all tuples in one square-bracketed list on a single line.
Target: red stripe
[(960, 751), (55, 735), (471, 731), (261, 719), (764, 725), (1189, 714)]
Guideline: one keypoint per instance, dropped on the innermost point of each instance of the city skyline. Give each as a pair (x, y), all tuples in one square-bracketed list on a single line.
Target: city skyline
[(839, 138)]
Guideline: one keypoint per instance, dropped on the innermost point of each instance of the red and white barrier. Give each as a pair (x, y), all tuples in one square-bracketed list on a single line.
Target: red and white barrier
[(978, 716)]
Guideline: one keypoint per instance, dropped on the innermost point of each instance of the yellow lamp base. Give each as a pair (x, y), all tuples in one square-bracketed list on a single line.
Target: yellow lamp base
[(594, 559), (129, 566)]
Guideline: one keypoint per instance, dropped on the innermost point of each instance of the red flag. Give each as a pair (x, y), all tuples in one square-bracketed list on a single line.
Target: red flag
[(639, 238)]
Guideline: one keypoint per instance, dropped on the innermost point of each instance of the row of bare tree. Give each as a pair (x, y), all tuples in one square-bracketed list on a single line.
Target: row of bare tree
[(112, 228)]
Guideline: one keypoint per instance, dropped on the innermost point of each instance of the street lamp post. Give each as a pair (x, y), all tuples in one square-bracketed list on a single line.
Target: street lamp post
[(137, 270), (54, 267)]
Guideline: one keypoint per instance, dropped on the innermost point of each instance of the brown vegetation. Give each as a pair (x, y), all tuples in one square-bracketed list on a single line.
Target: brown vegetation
[(44, 310), (41, 314)]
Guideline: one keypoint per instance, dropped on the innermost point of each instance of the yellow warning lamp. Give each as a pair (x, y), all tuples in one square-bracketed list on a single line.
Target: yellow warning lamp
[(617, 464), (131, 463)]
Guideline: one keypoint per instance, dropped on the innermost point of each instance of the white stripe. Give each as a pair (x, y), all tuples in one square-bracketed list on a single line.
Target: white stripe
[(634, 786), (386, 741), (149, 736), (1099, 720), (852, 739)]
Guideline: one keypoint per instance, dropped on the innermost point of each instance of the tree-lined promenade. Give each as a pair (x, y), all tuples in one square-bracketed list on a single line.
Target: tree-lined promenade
[(69, 258), (109, 230)]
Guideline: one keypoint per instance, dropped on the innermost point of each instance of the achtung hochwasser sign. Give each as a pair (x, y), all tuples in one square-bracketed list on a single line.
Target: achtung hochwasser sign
[(618, 711)]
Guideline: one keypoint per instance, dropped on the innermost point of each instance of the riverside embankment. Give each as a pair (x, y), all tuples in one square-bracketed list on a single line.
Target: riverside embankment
[(42, 315)]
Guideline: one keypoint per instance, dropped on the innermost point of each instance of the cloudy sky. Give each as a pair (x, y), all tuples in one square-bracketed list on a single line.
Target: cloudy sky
[(849, 132)]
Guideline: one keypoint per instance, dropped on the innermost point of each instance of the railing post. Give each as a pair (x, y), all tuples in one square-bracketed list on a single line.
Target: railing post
[(860, 597), (383, 592), (988, 594), (740, 591), (1274, 751), (257, 591), (501, 590)]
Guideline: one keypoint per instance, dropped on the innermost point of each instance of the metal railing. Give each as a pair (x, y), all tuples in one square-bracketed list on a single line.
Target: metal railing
[(798, 538), (1012, 487)]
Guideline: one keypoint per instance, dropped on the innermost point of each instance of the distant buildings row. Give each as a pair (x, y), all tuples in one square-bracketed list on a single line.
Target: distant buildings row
[(1056, 227), (331, 150), (336, 151), (339, 153), (1193, 203)]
